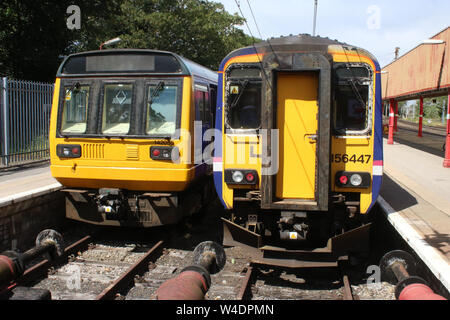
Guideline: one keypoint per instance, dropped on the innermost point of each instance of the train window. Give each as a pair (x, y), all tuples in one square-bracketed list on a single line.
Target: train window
[(353, 72), (117, 101), (245, 73), (351, 104), (162, 109), (244, 105), (74, 116), (207, 116), (202, 105), (244, 97)]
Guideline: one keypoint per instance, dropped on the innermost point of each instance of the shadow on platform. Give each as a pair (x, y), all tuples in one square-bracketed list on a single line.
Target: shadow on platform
[(438, 241), (400, 199), (397, 197), (421, 146)]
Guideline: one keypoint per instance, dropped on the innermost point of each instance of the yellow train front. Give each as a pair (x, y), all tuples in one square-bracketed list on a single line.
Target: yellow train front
[(121, 136), (299, 161)]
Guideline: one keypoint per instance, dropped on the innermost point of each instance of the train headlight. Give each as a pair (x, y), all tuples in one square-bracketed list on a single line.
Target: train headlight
[(238, 176), (241, 176), (68, 151), (360, 180), (356, 180)]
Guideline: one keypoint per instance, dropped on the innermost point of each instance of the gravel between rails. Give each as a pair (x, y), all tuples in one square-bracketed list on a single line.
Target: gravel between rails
[(107, 259)]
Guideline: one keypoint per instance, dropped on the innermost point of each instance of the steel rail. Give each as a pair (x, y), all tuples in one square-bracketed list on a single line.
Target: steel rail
[(245, 290), (127, 278), (42, 267), (348, 294)]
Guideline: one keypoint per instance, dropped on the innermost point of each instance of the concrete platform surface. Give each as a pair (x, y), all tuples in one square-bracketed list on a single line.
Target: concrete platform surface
[(416, 199), (18, 184)]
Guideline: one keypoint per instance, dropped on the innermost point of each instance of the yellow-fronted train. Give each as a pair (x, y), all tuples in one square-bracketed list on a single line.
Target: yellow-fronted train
[(299, 162), (120, 136)]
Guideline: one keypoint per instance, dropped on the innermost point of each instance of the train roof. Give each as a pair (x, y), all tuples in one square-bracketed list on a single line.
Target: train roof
[(132, 61), (295, 43)]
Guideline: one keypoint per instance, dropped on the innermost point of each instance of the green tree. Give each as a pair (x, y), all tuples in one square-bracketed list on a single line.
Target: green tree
[(196, 29), (432, 108), (33, 34)]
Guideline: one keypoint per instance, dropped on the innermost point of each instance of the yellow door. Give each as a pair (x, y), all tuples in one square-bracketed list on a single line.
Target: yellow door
[(297, 118)]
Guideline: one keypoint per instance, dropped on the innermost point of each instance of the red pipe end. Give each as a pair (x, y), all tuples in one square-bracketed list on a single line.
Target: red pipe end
[(188, 285), (419, 291)]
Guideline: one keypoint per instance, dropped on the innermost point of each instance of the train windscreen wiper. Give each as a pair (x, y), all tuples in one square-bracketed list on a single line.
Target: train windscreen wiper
[(236, 100), (159, 88), (355, 90), (76, 86)]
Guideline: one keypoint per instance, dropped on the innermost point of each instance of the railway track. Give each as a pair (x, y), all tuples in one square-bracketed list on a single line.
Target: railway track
[(263, 285), (406, 125), (90, 270), (99, 270), (132, 265)]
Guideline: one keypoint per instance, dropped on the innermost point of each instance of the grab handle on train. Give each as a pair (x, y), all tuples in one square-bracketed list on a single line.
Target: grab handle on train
[(195, 280)]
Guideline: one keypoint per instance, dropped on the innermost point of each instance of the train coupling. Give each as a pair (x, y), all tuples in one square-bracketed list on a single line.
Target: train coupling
[(195, 280), (111, 202), (399, 267), (293, 226), (49, 243)]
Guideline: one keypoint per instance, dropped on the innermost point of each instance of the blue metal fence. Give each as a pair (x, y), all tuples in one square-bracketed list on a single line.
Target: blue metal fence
[(25, 118)]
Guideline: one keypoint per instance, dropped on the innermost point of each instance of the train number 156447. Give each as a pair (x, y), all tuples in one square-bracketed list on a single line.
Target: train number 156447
[(346, 158)]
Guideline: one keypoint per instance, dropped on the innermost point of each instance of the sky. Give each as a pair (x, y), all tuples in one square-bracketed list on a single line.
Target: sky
[(378, 26)]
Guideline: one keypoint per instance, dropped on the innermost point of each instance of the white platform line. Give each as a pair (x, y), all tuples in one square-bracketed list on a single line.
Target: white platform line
[(429, 255), (18, 197)]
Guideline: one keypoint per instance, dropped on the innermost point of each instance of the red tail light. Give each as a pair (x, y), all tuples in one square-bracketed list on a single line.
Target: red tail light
[(156, 152), (250, 177), (359, 180), (241, 177), (164, 153), (68, 151), (343, 180)]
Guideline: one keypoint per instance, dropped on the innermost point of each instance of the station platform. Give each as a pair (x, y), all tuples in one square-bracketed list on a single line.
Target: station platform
[(415, 196), (25, 183)]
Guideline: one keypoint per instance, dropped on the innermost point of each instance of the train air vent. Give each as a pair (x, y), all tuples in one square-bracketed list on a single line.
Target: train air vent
[(93, 151), (132, 152)]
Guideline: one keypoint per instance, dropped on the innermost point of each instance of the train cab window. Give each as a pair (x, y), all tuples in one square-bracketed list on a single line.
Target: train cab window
[(74, 115), (351, 103), (117, 100), (244, 98), (162, 108)]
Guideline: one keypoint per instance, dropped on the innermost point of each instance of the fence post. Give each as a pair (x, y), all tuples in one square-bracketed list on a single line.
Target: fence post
[(447, 138), (5, 121), (421, 118), (391, 121)]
